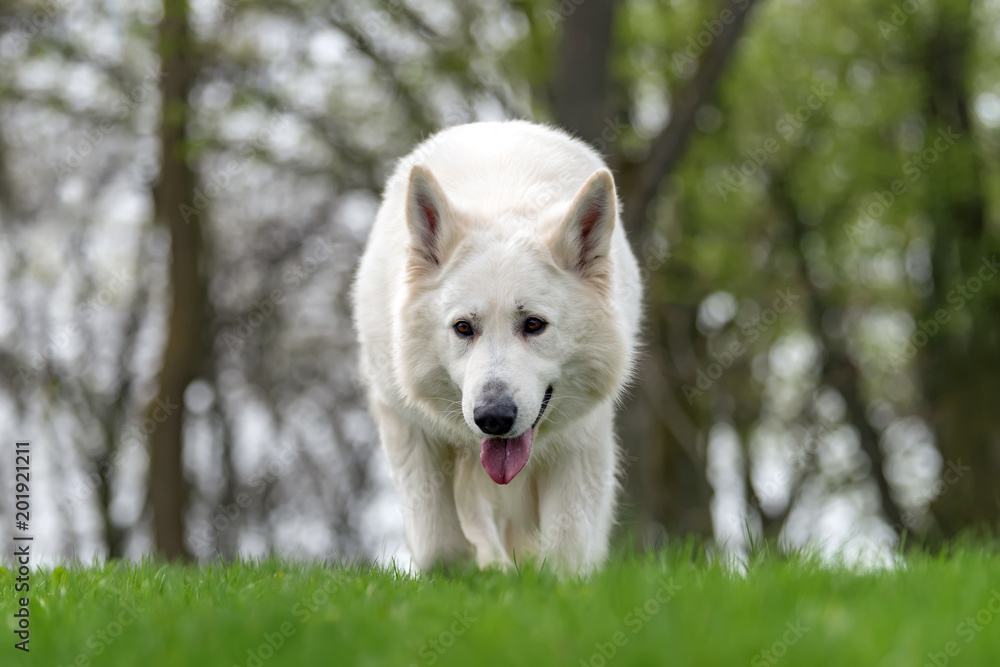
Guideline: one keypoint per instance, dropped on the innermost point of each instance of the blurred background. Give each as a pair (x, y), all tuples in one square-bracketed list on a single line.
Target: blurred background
[(811, 188)]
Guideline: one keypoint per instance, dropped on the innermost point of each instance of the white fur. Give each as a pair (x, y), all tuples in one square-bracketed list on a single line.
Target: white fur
[(476, 221)]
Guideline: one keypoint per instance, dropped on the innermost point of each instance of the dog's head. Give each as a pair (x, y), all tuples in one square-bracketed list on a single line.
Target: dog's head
[(509, 330)]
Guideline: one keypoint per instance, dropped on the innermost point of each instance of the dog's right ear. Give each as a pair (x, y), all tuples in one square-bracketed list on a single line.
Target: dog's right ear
[(428, 217), (582, 243)]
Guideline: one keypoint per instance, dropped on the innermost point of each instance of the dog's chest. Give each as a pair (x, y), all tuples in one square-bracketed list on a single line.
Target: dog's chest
[(495, 517)]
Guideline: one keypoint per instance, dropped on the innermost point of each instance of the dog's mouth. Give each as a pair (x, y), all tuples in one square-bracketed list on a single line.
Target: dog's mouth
[(503, 458), (545, 404)]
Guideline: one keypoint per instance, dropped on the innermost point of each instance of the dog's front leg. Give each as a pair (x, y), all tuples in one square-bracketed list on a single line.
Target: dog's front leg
[(477, 515), (424, 477), (576, 501)]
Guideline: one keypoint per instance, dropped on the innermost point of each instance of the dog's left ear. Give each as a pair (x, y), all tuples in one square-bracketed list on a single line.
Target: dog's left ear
[(583, 241)]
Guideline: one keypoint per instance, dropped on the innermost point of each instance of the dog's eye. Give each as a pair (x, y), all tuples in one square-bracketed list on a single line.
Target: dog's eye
[(534, 325), (463, 328)]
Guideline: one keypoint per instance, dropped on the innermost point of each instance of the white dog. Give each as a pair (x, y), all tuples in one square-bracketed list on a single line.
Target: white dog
[(497, 306)]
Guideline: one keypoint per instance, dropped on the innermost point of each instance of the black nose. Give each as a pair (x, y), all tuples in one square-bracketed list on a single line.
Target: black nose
[(495, 417)]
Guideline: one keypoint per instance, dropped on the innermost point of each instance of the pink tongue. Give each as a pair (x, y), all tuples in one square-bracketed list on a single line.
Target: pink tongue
[(503, 458)]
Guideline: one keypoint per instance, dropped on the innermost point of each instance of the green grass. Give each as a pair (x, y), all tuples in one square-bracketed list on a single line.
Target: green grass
[(224, 615)]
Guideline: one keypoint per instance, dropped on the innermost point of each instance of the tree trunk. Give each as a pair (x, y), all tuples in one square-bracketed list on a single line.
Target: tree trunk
[(184, 351), (580, 88), (960, 364), (664, 434)]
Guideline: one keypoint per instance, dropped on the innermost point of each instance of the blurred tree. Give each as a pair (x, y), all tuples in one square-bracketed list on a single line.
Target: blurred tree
[(959, 367), (184, 354), (579, 89), (756, 147)]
